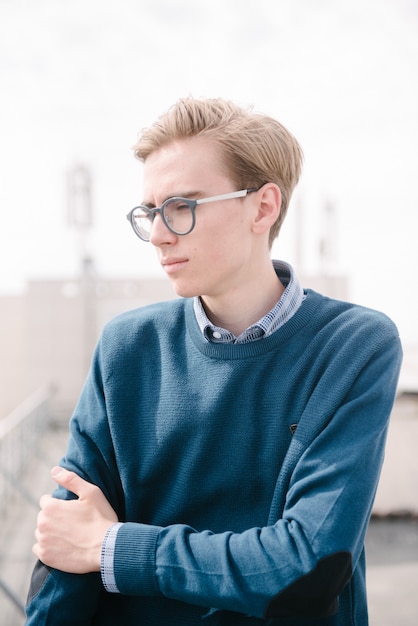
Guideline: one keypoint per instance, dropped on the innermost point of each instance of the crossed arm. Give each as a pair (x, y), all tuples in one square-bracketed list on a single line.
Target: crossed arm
[(70, 533)]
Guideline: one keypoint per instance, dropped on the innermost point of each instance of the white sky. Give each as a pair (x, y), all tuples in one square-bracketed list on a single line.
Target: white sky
[(80, 78)]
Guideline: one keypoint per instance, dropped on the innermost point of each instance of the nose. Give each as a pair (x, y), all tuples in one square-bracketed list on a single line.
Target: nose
[(160, 233)]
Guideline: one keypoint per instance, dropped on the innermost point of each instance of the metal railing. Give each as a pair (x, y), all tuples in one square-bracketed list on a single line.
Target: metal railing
[(20, 432)]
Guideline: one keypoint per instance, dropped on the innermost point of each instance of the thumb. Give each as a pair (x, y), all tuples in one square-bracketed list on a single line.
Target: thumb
[(71, 481)]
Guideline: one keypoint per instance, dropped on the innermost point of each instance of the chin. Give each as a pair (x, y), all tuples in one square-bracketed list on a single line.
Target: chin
[(185, 290)]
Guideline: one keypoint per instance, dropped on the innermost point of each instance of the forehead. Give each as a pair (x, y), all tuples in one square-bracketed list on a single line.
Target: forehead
[(194, 163)]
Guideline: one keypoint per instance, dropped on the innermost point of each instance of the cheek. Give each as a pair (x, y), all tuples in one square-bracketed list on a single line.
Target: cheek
[(227, 232), (220, 240), (219, 249)]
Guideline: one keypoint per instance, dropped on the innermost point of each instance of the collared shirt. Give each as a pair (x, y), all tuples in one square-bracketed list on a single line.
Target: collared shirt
[(282, 311)]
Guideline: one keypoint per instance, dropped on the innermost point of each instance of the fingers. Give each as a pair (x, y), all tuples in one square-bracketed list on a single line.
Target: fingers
[(44, 501), (70, 533), (88, 493), (35, 549), (71, 481)]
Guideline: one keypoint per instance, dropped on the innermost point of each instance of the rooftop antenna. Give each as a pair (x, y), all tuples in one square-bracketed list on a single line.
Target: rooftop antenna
[(328, 245), (80, 212), (299, 239), (80, 217)]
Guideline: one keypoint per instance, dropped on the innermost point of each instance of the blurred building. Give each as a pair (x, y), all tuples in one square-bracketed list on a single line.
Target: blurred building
[(49, 333)]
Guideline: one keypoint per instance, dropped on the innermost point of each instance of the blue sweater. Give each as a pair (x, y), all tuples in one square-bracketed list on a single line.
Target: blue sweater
[(245, 473)]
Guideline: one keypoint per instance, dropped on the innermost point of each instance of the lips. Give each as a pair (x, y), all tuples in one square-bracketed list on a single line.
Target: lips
[(173, 265)]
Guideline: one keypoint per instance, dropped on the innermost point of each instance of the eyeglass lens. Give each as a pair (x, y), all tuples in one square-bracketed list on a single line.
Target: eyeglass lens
[(177, 215)]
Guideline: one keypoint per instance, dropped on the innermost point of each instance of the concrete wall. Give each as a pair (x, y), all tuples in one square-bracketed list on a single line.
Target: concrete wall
[(49, 333), (12, 353)]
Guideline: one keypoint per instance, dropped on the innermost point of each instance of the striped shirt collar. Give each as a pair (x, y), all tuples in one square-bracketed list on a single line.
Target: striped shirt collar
[(282, 311)]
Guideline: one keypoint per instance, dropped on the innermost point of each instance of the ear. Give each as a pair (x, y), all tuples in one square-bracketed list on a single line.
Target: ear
[(269, 200)]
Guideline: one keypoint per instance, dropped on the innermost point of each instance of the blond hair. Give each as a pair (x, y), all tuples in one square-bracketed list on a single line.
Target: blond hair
[(256, 149)]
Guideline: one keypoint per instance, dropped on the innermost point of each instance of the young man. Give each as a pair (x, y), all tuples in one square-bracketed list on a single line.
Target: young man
[(226, 447)]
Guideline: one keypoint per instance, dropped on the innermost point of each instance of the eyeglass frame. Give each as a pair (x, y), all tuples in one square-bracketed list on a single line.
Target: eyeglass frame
[(192, 205)]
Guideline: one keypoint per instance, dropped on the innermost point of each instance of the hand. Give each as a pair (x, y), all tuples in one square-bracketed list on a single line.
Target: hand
[(70, 533)]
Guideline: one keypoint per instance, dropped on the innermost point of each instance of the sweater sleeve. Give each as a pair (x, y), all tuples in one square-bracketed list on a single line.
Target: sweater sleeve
[(56, 598), (300, 562), (59, 599)]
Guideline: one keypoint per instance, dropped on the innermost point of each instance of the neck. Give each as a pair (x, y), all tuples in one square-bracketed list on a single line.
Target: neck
[(242, 307)]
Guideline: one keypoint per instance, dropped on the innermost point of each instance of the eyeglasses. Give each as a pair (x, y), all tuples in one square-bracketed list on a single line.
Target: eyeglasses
[(178, 214)]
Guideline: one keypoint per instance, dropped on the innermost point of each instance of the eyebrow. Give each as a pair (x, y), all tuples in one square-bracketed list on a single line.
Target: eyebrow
[(187, 194)]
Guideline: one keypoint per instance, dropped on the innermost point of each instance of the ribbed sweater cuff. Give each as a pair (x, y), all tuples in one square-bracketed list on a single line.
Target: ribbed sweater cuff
[(134, 559)]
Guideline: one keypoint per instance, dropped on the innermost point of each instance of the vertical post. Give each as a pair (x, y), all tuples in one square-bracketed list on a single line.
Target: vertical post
[(80, 217), (328, 240)]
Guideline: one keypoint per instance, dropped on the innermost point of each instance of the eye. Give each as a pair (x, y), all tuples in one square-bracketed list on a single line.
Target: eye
[(144, 213), (178, 205)]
